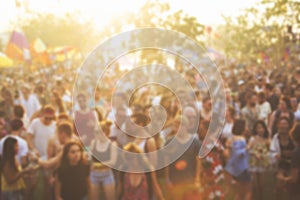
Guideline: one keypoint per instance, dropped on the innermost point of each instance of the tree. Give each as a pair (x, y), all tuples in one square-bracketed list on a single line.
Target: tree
[(158, 15), (60, 31), (259, 30)]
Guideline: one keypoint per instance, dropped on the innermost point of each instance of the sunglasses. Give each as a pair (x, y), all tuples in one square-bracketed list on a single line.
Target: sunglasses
[(48, 118)]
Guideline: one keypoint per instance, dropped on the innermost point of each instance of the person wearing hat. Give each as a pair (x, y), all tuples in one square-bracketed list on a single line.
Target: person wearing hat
[(17, 127)]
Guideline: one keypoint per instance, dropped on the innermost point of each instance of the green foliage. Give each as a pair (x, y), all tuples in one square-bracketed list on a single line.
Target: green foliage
[(259, 29), (60, 31)]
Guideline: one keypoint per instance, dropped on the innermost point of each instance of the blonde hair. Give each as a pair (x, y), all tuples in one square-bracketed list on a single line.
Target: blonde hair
[(132, 147)]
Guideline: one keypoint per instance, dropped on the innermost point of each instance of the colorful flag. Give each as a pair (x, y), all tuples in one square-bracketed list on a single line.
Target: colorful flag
[(38, 46), (17, 47), (5, 61), (39, 52)]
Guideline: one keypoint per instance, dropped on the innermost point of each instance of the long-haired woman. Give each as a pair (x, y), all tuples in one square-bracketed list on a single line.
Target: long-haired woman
[(12, 183), (72, 180)]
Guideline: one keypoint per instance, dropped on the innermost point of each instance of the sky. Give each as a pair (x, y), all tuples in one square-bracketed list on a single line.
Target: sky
[(207, 12)]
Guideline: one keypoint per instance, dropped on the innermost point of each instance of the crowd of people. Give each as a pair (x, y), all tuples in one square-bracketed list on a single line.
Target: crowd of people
[(54, 148)]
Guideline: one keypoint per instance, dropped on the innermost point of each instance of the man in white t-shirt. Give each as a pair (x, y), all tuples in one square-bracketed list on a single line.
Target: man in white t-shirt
[(17, 127), (40, 130), (265, 110), (29, 101)]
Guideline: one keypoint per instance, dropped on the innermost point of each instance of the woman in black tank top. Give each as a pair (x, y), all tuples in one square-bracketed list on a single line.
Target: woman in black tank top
[(104, 155)]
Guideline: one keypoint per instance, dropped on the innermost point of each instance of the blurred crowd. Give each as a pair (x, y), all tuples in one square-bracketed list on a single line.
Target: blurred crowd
[(57, 145)]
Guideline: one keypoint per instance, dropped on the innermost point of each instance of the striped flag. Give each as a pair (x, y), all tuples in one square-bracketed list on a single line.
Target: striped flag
[(17, 47)]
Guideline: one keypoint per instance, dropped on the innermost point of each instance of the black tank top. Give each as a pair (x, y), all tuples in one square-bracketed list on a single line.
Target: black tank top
[(285, 161), (97, 155)]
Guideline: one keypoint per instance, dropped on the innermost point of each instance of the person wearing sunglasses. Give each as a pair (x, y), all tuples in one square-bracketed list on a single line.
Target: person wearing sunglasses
[(40, 130)]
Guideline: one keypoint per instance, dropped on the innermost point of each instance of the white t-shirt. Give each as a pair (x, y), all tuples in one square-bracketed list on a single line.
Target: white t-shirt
[(41, 134), (31, 105), (23, 147), (227, 130), (264, 111)]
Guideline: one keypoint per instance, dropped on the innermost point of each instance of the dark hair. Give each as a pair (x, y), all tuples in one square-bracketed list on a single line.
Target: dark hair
[(48, 109), (284, 118), (239, 126), (9, 153), (262, 95), (287, 102), (65, 127), (64, 165), (261, 122), (231, 111), (141, 118), (18, 111), (269, 87), (205, 99), (16, 124), (63, 116), (295, 133)]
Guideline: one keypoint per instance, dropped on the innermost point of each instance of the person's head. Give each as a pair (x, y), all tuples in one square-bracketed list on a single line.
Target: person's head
[(48, 114), (64, 132), (268, 88), (10, 150), (25, 90), (140, 119), (82, 100), (261, 97), (285, 104), (260, 129), (138, 160), (277, 91), (251, 99), (239, 127), (283, 125), (6, 94), (207, 103), (17, 125), (191, 115), (295, 133), (230, 113), (62, 117), (260, 81), (294, 102), (180, 122), (72, 154), (18, 111)]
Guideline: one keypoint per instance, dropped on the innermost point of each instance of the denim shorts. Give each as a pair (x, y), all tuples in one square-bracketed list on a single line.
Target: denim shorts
[(102, 177), (12, 195)]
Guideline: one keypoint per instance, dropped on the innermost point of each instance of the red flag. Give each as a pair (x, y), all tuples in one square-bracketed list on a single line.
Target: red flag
[(17, 46)]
